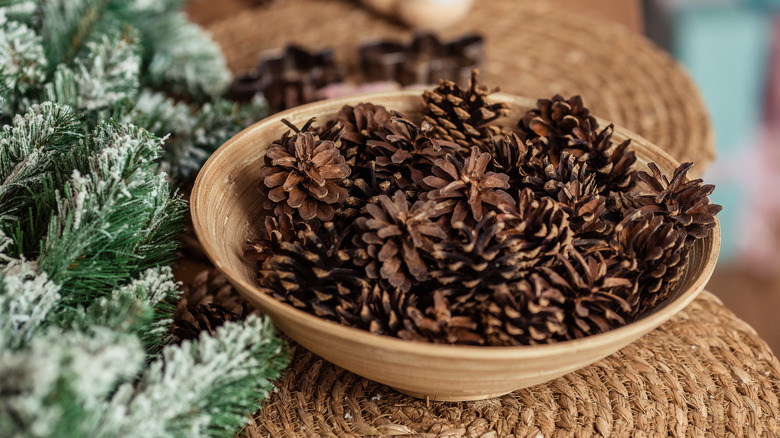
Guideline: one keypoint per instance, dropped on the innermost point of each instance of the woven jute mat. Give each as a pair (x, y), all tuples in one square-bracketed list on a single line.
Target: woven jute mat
[(532, 48), (704, 373)]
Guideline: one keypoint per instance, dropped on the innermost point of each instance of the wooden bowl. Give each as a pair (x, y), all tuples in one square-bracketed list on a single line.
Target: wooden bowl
[(227, 210)]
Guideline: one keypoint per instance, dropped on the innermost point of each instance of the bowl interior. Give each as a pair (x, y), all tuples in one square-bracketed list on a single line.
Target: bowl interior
[(227, 211)]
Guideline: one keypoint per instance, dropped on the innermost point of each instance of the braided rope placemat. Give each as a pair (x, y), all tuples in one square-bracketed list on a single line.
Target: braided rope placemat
[(533, 48), (703, 373)]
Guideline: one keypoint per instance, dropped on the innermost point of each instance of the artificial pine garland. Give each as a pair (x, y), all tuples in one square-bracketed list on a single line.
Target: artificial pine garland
[(88, 221)]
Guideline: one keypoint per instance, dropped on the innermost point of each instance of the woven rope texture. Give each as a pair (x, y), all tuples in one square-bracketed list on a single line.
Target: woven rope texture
[(532, 49), (704, 373)]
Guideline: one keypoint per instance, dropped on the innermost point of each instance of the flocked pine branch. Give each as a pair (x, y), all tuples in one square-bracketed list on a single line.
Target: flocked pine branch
[(178, 55), (200, 388), (29, 149), (115, 221), (23, 65), (85, 53), (26, 300), (104, 77), (194, 132), (86, 221), (57, 385), (143, 307)]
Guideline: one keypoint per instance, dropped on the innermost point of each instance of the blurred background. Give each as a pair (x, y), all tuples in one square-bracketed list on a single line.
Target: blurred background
[(730, 49)]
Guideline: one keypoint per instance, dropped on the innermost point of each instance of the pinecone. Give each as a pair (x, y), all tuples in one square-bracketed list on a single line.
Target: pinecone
[(686, 203), (361, 123), (395, 237), (653, 253), (405, 153), (557, 117), (388, 310), (314, 272), (261, 248), (305, 175), (580, 199), (383, 310), (525, 312), (479, 258), (206, 303), (538, 229), (465, 189), (463, 116), (595, 300), (522, 161), (612, 165)]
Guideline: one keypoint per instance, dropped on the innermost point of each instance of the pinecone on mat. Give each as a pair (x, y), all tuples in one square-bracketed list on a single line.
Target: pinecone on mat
[(464, 116), (466, 189), (394, 237), (685, 202), (304, 174), (206, 303)]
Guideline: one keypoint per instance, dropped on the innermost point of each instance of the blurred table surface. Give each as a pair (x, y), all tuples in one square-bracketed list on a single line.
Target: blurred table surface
[(626, 12)]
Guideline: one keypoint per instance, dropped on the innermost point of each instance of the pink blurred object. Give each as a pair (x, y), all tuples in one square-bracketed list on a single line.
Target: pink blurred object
[(757, 170), (423, 14), (333, 91)]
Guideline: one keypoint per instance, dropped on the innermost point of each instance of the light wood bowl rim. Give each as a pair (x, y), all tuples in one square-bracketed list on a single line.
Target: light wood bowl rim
[(602, 340)]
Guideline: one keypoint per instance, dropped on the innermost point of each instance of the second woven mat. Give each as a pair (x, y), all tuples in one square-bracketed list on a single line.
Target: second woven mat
[(704, 373), (533, 48)]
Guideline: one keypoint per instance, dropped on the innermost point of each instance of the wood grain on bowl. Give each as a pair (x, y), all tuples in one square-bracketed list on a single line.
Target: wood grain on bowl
[(227, 210)]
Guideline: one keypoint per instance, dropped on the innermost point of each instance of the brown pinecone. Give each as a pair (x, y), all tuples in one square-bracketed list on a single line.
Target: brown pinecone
[(206, 303), (477, 259), (524, 312), (579, 198), (406, 152), (314, 272), (363, 122), (557, 117), (595, 299), (653, 253), (612, 165), (463, 116), (685, 202), (383, 310), (522, 161), (538, 229), (304, 174), (395, 236), (261, 248), (466, 189)]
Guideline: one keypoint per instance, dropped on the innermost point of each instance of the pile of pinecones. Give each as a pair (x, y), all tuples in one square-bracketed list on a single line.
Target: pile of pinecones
[(454, 230)]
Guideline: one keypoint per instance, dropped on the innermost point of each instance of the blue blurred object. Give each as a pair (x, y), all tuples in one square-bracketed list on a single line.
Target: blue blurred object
[(725, 48), (764, 4)]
